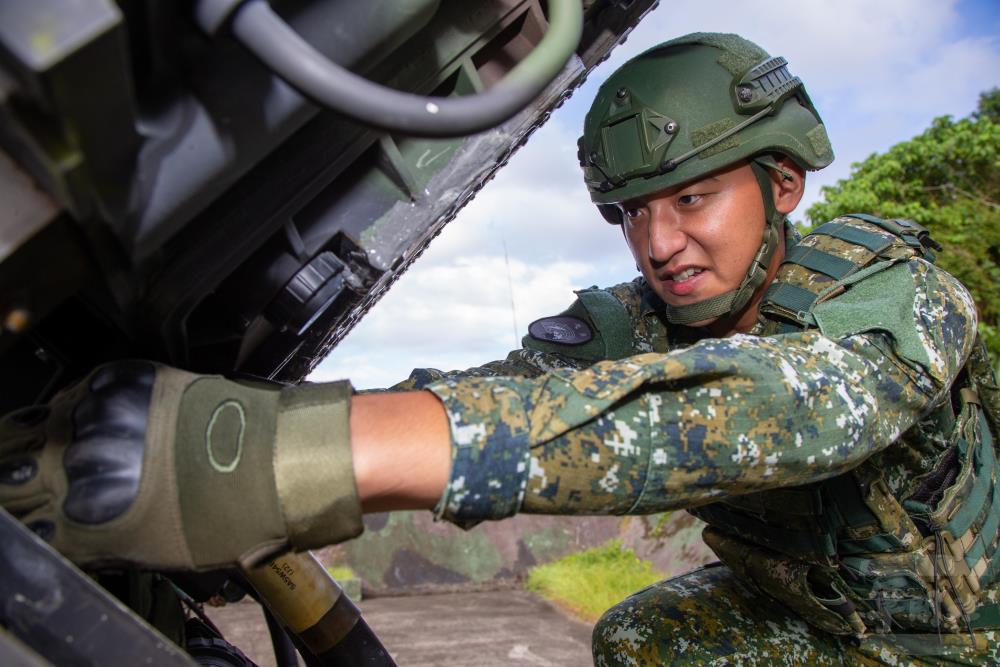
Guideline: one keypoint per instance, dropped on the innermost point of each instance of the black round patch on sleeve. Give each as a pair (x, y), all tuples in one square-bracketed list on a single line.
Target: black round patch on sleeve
[(563, 329)]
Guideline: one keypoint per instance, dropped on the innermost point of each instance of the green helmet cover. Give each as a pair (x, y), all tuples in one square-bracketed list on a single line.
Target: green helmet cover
[(691, 106)]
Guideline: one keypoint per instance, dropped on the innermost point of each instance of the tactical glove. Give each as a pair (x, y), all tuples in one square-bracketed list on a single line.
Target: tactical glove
[(149, 465)]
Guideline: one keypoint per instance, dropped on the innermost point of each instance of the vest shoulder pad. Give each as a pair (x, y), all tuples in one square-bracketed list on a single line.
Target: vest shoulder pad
[(597, 326), (830, 259)]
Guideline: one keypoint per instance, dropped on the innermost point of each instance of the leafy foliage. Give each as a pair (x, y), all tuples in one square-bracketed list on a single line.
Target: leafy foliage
[(948, 180), (590, 582)]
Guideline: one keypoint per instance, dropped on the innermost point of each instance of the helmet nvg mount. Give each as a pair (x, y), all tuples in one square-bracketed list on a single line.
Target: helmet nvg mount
[(686, 108)]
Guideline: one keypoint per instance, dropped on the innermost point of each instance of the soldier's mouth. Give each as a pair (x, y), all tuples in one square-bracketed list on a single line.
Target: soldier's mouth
[(685, 274), (684, 282)]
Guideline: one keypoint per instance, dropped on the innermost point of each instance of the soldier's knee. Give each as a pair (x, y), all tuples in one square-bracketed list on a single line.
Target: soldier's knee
[(620, 638)]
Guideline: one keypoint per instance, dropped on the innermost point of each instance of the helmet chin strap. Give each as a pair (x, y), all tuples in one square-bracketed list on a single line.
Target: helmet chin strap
[(731, 303)]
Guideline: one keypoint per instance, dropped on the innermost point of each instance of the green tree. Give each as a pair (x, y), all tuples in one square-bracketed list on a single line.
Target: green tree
[(948, 180)]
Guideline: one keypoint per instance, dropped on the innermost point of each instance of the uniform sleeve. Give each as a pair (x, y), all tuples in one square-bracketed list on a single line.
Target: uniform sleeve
[(723, 417), (612, 316), (522, 363)]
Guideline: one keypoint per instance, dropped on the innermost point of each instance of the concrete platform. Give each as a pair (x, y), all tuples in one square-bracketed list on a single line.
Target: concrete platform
[(485, 629)]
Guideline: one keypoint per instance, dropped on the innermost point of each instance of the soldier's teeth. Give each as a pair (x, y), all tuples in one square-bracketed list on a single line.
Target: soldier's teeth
[(687, 273)]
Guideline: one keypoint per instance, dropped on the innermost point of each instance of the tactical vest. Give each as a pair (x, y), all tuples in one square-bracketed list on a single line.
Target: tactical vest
[(848, 554)]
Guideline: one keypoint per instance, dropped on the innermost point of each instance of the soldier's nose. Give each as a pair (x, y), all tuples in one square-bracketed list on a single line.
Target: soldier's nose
[(665, 240)]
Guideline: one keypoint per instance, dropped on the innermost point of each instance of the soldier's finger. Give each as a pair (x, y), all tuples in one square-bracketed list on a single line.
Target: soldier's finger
[(21, 487), (23, 430), (25, 417), (41, 522), (19, 445), (21, 507)]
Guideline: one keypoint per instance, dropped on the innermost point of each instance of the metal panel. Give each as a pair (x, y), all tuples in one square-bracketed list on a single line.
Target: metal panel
[(57, 611)]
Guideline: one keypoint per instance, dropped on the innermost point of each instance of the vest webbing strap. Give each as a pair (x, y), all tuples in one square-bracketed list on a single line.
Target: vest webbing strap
[(797, 301), (986, 616), (987, 525), (990, 525), (970, 514), (989, 576), (816, 544), (851, 511), (876, 243), (978, 514), (822, 262), (878, 543), (787, 327), (916, 236), (984, 469), (790, 297)]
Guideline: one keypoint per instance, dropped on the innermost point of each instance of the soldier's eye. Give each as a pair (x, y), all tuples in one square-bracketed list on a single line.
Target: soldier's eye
[(688, 200), (631, 212)]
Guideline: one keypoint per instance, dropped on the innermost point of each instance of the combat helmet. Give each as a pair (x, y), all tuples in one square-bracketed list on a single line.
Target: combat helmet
[(686, 108)]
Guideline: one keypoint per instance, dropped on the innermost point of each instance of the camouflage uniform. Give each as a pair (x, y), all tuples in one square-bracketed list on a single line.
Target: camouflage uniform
[(648, 417)]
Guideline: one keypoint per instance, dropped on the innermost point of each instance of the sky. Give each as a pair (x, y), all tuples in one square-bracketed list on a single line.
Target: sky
[(878, 72)]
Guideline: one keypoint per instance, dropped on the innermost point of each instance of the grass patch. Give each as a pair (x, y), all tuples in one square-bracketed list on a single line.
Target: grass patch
[(660, 525), (341, 572), (347, 579), (589, 582)]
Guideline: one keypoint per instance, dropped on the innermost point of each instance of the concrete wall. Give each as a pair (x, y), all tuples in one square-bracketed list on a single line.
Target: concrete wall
[(408, 552)]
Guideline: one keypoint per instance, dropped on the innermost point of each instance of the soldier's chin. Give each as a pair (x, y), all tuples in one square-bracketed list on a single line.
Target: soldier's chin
[(719, 326), (703, 323)]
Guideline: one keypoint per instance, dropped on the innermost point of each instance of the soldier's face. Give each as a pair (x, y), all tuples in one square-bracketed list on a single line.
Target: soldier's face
[(696, 240)]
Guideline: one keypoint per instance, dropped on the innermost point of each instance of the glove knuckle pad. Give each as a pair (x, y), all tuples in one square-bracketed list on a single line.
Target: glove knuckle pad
[(103, 463)]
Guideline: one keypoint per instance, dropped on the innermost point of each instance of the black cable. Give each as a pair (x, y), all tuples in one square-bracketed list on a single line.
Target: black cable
[(285, 654), (314, 75)]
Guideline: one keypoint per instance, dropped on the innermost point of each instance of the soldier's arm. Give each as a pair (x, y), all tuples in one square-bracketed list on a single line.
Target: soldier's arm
[(401, 439), (401, 451), (731, 416)]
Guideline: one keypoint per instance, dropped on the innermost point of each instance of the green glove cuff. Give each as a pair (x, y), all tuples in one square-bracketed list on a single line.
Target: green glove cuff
[(276, 464), (313, 466)]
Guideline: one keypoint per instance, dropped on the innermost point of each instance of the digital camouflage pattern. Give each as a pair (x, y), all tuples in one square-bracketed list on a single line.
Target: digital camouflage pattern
[(683, 422), (718, 417), (710, 617)]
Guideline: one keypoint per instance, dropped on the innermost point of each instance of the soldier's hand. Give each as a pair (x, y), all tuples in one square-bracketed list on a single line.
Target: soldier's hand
[(149, 465)]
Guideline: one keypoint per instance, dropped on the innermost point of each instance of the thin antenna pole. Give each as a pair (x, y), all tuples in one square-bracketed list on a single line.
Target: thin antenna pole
[(510, 289)]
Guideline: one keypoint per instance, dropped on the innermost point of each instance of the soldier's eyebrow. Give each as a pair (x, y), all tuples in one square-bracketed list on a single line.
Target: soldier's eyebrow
[(705, 180), (640, 201), (713, 180)]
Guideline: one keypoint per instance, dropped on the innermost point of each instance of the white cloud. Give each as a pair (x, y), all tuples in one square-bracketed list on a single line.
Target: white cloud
[(877, 71), (451, 315)]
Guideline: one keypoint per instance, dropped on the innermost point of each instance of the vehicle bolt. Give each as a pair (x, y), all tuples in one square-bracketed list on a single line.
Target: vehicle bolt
[(744, 93), (16, 320), (670, 127), (622, 92)]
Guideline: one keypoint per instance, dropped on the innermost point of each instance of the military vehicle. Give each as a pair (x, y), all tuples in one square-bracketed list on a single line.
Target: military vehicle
[(228, 186)]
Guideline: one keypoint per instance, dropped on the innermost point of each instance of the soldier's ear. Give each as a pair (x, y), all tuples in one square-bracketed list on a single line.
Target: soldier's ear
[(788, 185)]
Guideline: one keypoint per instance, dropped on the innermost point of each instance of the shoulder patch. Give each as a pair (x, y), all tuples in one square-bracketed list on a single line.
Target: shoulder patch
[(563, 329)]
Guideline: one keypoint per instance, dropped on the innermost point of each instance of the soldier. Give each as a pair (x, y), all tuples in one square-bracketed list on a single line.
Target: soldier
[(822, 403)]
